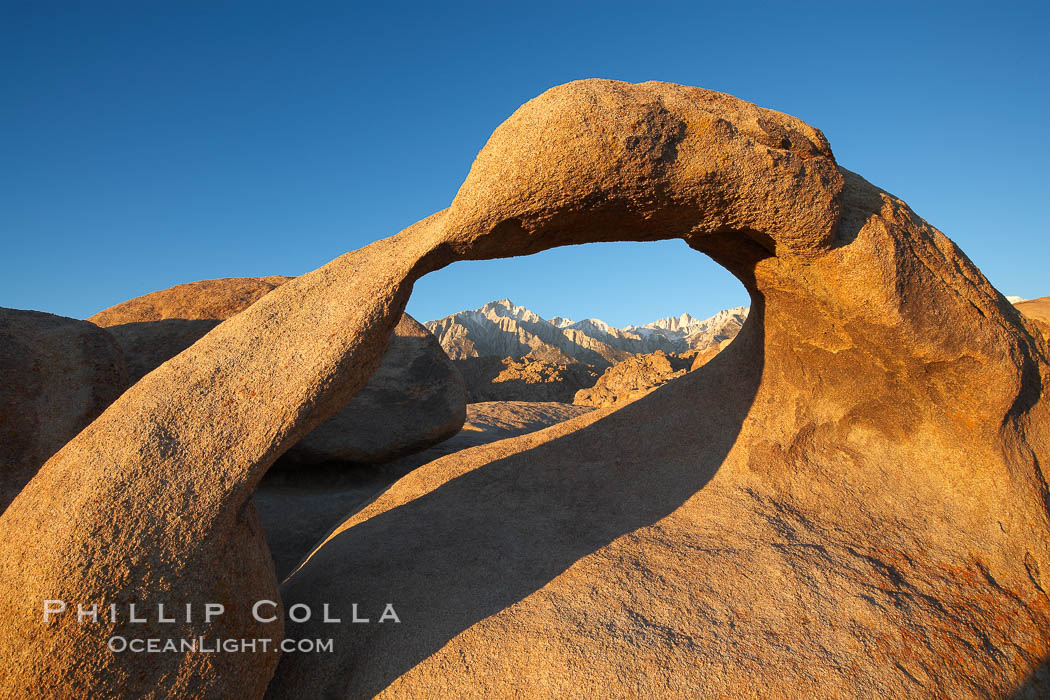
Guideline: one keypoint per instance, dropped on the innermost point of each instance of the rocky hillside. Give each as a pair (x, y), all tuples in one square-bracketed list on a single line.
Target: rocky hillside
[(495, 379), (632, 379), (503, 329)]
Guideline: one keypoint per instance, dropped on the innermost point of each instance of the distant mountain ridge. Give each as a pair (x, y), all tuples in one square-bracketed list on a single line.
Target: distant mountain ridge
[(503, 329)]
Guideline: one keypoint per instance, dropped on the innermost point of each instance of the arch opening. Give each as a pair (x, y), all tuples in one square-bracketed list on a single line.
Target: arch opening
[(295, 517), (511, 518)]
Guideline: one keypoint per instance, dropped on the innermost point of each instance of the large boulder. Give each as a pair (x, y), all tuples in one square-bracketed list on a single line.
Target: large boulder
[(527, 379), (155, 327), (57, 375), (415, 400), (205, 300), (632, 379), (849, 499)]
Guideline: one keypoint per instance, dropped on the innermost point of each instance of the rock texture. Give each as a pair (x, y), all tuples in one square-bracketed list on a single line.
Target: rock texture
[(850, 496), (415, 400), (493, 379), (148, 344), (632, 379), (502, 329), (57, 374)]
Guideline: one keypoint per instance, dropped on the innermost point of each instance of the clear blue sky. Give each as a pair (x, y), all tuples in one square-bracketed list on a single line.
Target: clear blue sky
[(144, 144)]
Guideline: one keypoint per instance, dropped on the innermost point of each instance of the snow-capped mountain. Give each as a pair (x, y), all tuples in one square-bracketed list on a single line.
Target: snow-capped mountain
[(673, 323), (503, 329)]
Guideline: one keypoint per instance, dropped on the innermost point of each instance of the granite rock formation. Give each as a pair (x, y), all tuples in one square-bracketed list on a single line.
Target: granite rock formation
[(57, 375), (632, 379), (851, 495), (495, 379), (415, 400), (854, 495)]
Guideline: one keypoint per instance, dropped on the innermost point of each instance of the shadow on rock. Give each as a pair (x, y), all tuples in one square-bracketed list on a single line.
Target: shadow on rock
[(488, 538)]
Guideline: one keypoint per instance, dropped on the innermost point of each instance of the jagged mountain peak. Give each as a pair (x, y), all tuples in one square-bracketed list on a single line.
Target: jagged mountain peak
[(508, 309), (672, 323), (501, 329), (594, 323)]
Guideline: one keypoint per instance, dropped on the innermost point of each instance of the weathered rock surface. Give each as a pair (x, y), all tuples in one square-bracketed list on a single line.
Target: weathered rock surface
[(414, 400), (632, 379), (853, 495), (57, 374), (298, 508), (149, 344), (495, 379)]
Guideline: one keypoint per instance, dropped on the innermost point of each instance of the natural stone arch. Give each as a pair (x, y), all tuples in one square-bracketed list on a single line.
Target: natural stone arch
[(870, 330)]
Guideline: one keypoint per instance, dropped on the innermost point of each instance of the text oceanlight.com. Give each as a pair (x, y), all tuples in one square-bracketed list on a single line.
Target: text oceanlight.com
[(203, 645)]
